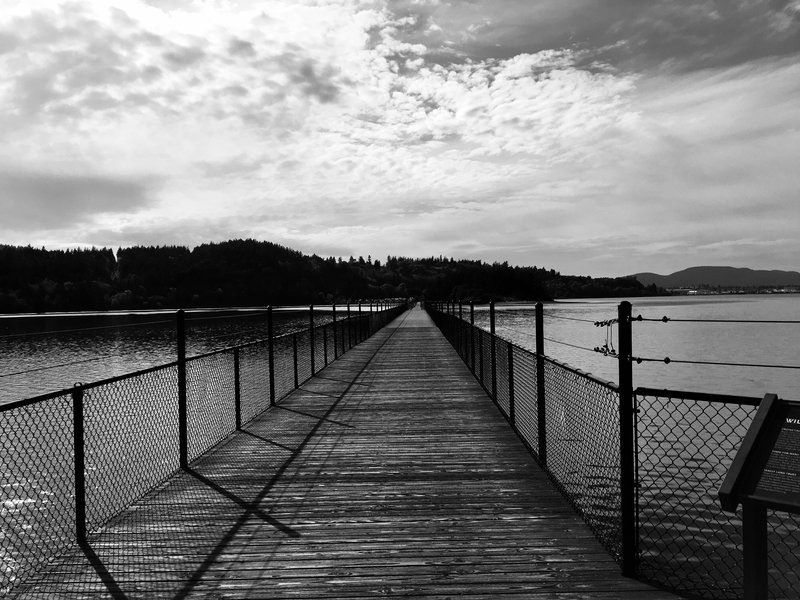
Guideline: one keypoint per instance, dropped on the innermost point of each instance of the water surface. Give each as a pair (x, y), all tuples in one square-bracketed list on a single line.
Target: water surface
[(572, 336), (40, 354)]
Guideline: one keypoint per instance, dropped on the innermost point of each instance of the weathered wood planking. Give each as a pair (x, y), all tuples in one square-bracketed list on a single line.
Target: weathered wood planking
[(389, 474)]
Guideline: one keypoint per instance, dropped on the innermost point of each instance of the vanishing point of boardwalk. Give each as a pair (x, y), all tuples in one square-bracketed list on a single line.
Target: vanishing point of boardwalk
[(389, 474)]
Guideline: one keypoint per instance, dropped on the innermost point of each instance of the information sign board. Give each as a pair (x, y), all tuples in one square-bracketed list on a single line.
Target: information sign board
[(765, 474), (779, 483), (766, 468)]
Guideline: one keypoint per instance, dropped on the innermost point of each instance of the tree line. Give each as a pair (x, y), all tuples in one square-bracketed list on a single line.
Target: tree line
[(257, 273)]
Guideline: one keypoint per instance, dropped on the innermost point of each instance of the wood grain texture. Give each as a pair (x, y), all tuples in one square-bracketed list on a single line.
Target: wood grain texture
[(391, 474)]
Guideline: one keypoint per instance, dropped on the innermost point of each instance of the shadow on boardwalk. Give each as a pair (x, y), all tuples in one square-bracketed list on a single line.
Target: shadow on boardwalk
[(389, 474)]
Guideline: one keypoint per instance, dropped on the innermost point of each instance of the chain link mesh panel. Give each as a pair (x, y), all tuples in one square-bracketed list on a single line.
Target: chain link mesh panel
[(325, 344), (356, 327), (583, 450), (337, 333), (254, 379), (303, 355), (482, 361), (351, 332), (783, 546), (685, 449), (465, 346), (464, 341), (283, 359), (131, 440), (501, 366), (319, 350), (344, 334), (37, 479), (487, 361), (472, 353), (210, 400), (353, 329), (526, 411)]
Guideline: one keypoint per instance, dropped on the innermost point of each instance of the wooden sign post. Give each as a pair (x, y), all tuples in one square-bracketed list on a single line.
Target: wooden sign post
[(765, 474)]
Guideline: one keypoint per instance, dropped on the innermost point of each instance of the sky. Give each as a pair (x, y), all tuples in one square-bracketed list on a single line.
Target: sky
[(594, 137)]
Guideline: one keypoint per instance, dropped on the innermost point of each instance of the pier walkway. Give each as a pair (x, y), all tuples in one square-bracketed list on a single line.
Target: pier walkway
[(390, 473)]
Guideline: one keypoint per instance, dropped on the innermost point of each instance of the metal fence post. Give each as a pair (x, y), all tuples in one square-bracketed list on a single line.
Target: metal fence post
[(345, 329), (183, 435), (237, 388), (80, 464), (511, 407), (755, 549), (472, 336), (311, 335), (493, 350), (360, 325), (349, 329), (461, 329), (541, 403), (480, 357), (627, 424), (335, 336), (271, 356)]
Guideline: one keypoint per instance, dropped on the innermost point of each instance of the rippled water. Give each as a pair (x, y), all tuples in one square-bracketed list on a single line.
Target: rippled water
[(761, 343), (40, 354), (102, 345)]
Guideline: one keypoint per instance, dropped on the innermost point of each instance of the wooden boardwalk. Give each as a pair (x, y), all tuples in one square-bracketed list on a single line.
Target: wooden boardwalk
[(389, 474)]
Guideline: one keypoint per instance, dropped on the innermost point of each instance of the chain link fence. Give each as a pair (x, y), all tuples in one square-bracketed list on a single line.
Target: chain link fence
[(126, 434), (783, 547), (583, 450), (502, 352), (526, 413), (685, 443), (38, 511), (129, 428), (581, 424), (211, 400), (254, 379)]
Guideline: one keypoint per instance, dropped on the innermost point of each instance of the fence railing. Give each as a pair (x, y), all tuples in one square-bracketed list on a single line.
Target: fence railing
[(73, 459), (642, 467)]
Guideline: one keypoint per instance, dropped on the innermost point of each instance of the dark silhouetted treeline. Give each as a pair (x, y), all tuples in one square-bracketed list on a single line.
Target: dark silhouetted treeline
[(253, 273)]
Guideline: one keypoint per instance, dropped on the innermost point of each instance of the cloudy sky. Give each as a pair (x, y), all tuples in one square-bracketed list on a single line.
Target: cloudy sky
[(599, 137)]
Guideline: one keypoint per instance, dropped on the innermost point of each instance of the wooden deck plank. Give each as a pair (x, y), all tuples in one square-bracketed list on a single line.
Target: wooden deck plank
[(389, 474)]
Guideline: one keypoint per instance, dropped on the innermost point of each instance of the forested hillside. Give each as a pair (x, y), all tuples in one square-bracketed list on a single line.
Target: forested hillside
[(253, 273)]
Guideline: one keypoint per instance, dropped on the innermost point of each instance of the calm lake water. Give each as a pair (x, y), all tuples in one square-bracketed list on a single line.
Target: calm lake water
[(40, 354), (98, 346), (752, 343)]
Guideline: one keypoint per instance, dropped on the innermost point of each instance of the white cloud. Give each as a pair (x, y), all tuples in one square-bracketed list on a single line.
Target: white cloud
[(709, 176), (331, 124)]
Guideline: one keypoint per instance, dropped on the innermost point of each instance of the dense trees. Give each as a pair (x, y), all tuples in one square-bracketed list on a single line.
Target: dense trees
[(253, 273), (33, 279)]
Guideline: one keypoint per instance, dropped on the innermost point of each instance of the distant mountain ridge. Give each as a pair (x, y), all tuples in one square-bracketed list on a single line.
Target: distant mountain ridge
[(726, 277)]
